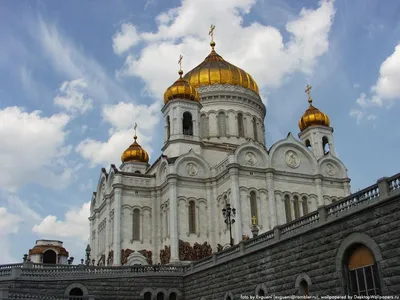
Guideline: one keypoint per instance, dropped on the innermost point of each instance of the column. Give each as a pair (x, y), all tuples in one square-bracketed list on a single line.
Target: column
[(107, 229), (210, 218), (198, 219), (173, 217), (153, 224), (292, 209), (98, 235), (271, 199), (141, 226), (216, 222), (346, 189), (117, 226), (238, 231), (318, 184), (301, 207)]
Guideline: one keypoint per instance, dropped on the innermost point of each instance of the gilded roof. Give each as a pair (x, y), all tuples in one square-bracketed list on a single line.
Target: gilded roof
[(181, 89), (135, 153)]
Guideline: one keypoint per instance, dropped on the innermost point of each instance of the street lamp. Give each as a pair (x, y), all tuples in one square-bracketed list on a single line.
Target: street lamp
[(88, 254), (229, 213)]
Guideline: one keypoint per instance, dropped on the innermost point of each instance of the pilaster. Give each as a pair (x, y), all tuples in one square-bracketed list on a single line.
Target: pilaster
[(153, 216), (238, 234), (318, 184), (173, 220), (271, 199), (117, 226), (210, 218)]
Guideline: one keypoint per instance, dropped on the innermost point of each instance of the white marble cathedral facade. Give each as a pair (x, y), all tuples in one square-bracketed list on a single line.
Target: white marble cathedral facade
[(214, 153)]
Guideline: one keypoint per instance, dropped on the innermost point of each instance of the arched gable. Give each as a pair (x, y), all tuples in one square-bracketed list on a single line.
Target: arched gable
[(192, 165), (292, 156), (162, 170), (331, 166), (252, 155)]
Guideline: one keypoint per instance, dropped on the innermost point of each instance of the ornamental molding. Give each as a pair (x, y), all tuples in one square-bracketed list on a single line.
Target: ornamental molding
[(227, 88)]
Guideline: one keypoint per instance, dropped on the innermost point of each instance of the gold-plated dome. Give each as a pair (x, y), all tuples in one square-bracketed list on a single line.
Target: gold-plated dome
[(313, 116), (135, 153), (215, 70), (181, 89)]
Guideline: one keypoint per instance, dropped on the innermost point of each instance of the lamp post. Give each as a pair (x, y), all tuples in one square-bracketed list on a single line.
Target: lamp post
[(88, 255), (229, 214)]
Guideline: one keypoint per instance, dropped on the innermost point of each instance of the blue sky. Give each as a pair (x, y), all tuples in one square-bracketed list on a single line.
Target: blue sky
[(76, 75)]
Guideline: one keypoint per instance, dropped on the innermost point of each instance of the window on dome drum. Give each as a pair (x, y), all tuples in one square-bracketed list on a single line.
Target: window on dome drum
[(222, 124), (288, 211), (308, 144), (305, 206), (136, 225), (361, 272), (296, 207), (147, 296), (253, 206), (168, 127), (172, 296), (261, 292), (50, 257), (77, 292), (255, 128), (204, 126), (187, 123), (325, 145), (240, 125), (192, 217), (160, 296), (303, 288)]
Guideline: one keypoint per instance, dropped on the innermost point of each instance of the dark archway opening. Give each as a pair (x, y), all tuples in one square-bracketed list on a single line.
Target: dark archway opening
[(160, 296), (187, 123), (325, 145), (50, 257), (147, 296), (308, 145), (303, 288), (173, 296), (261, 292), (168, 127)]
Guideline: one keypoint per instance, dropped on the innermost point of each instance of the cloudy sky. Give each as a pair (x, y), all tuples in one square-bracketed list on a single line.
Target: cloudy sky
[(76, 75)]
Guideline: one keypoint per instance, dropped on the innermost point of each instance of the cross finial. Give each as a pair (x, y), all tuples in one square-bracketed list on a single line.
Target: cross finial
[(308, 91), (254, 219), (134, 127), (211, 33), (180, 65)]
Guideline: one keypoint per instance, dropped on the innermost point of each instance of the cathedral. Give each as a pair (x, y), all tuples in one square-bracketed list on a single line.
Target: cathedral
[(214, 156)]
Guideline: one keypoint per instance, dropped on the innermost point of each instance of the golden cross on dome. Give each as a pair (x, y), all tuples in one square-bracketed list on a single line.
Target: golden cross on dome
[(134, 127), (180, 62), (254, 219), (211, 32), (308, 91)]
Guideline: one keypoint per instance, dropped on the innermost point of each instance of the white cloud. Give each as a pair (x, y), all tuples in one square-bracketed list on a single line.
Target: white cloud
[(33, 150), (75, 225), (257, 48), (72, 98), (122, 117), (8, 223), (126, 38), (386, 89)]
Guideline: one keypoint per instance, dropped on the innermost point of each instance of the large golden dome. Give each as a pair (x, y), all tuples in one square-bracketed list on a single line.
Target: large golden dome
[(313, 116), (181, 89), (135, 153), (215, 70)]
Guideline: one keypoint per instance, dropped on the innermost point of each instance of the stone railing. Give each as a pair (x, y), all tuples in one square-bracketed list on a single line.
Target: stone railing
[(394, 182), (221, 166), (43, 297)]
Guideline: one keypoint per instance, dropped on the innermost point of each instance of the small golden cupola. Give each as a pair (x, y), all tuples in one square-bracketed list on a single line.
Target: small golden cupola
[(181, 89), (215, 70), (313, 116), (135, 152)]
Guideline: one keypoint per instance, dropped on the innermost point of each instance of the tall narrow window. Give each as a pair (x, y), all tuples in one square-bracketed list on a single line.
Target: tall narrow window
[(308, 144), (168, 128), (305, 206), (160, 296), (187, 123), (240, 125), (204, 126), (303, 288), (192, 217), (296, 207), (255, 128), (362, 272), (253, 207), (325, 145), (222, 124), (172, 296), (261, 292), (136, 225), (147, 296), (288, 211)]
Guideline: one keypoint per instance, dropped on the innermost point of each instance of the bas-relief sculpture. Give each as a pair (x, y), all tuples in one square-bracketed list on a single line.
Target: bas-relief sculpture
[(292, 159), (192, 169)]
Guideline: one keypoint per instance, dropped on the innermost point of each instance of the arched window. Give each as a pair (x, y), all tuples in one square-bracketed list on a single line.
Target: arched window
[(296, 207), (362, 273), (255, 128), (137, 172), (187, 123), (136, 225), (228, 298), (303, 288), (75, 292), (204, 126), (49, 257), (308, 144), (222, 124), (192, 217), (240, 125), (147, 296), (160, 296), (288, 211), (325, 145), (261, 293), (305, 206), (253, 206), (172, 296), (168, 128)]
